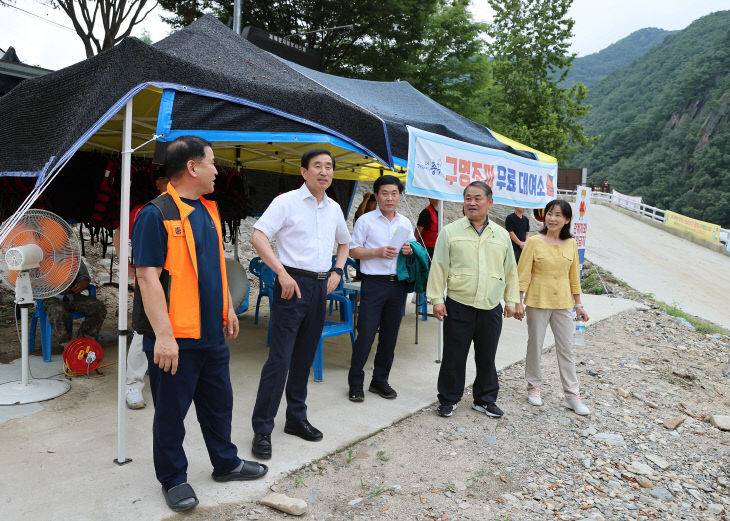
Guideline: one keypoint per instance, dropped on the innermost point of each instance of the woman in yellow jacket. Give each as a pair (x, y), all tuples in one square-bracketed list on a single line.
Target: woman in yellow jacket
[(550, 280)]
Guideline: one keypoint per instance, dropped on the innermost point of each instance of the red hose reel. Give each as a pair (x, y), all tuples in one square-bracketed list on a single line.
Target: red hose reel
[(83, 355)]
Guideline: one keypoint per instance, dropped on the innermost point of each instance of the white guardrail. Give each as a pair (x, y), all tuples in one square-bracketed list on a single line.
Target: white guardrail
[(634, 205)]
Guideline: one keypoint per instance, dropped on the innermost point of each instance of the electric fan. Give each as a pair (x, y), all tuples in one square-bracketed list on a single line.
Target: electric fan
[(40, 258)]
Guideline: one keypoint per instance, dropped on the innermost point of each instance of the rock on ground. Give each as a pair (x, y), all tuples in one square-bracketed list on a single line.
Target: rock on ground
[(290, 505)]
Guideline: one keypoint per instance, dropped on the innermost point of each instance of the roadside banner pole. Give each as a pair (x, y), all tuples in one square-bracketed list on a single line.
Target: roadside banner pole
[(580, 221)]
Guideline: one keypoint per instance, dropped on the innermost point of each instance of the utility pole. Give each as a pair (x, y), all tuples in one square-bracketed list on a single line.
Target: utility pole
[(237, 16)]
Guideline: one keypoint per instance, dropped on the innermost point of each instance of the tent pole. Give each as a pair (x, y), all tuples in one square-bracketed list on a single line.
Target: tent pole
[(440, 344), (123, 257), (238, 228), (352, 198)]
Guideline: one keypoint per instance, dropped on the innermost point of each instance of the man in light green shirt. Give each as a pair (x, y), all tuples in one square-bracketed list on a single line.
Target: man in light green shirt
[(474, 262)]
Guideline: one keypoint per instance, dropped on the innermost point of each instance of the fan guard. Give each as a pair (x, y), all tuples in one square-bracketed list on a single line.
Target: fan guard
[(60, 246)]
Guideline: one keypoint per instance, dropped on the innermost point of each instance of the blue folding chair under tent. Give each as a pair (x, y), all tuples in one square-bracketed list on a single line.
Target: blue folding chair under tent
[(40, 318), (266, 277)]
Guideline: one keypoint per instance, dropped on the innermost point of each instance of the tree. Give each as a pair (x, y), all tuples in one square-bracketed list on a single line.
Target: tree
[(356, 51), (529, 47), (117, 18), (448, 64), (433, 44)]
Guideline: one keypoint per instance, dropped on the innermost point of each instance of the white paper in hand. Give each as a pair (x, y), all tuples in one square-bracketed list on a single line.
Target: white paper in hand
[(400, 236)]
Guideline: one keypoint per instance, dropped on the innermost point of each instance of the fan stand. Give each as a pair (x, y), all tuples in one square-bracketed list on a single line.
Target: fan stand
[(27, 390)]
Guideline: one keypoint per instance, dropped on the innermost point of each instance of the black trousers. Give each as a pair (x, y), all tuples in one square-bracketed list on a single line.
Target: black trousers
[(202, 377), (381, 305), (462, 325), (295, 331)]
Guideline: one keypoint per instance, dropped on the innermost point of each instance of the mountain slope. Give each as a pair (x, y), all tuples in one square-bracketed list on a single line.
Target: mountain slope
[(664, 123), (594, 67)]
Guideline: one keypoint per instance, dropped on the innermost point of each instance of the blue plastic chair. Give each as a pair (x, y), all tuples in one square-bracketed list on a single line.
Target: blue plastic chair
[(334, 329), (40, 317), (351, 294), (266, 289)]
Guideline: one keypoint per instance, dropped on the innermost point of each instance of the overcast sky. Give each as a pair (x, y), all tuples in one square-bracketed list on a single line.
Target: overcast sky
[(45, 37)]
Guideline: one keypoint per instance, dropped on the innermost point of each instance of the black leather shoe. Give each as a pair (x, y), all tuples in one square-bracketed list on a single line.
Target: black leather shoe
[(261, 446), (180, 497), (383, 389), (356, 393), (249, 470), (303, 429)]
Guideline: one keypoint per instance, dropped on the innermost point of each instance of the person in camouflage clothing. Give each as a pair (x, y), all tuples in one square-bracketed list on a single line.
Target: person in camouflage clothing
[(59, 308)]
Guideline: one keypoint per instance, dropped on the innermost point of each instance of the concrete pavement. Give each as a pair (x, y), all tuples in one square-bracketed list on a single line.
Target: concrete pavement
[(57, 456), (677, 271)]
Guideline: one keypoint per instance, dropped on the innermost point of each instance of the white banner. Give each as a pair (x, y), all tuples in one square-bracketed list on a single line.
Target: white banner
[(440, 167), (630, 202), (580, 220)]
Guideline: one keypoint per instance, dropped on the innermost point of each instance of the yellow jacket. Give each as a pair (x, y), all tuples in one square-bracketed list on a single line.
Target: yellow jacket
[(549, 273), (476, 270)]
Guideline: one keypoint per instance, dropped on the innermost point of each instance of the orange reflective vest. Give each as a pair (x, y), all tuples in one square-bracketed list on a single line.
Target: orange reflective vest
[(179, 277)]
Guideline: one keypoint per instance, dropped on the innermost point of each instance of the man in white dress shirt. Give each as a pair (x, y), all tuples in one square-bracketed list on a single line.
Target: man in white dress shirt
[(305, 222), (377, 238)]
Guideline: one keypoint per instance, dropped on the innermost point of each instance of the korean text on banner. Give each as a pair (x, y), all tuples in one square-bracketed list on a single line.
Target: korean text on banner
[(580, 221), (440, 167), (708, 231)]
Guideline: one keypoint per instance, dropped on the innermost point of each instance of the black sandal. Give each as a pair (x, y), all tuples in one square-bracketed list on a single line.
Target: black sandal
[(180, 497), (249, 470)]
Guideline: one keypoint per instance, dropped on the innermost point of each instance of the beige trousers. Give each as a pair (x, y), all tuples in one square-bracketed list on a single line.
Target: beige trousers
[(561, 322)]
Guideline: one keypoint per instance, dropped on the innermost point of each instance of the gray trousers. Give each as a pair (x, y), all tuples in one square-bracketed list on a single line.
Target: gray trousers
[(136, 363), (561, 322)]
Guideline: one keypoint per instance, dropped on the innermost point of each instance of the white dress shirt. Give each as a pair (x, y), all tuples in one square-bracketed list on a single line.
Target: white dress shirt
[(374, 230), (304, 230)]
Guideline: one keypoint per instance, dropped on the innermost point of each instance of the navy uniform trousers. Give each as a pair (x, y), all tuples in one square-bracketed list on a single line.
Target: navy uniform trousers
[(462, 324), (202, 377), (296, 328), (381, 303)]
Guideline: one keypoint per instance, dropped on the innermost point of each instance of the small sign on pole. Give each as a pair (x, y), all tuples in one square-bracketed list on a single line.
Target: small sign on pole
[(580, 221)]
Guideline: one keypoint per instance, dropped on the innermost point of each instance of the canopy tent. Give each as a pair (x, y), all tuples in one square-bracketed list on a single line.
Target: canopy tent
[(47, 119), (260, 114), (401, 105)]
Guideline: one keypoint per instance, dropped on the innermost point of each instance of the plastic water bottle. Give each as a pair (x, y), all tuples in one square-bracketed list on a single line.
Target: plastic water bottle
[(579, 337)]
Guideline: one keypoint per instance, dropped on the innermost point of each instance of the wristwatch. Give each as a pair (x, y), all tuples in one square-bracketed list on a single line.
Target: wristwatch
[(338, 271)]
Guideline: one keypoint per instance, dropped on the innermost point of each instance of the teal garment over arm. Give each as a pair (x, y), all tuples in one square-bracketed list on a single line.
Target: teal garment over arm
[(414, 268)]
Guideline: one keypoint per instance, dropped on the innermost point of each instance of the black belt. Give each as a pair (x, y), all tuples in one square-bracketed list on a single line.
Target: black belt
[(390, 278), (319, 275)]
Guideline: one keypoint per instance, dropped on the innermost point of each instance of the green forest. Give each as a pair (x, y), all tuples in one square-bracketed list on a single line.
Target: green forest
[(663, 124), (591, 69)]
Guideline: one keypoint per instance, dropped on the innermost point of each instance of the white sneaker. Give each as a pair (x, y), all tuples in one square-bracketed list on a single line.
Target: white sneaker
[(135, 400), (576, 405), (533, 396)]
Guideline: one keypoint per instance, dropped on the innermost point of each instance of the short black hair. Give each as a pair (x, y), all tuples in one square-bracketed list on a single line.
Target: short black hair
[(182, 150), (387, 180), (309, 154), (567, 212), (480, 184)]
